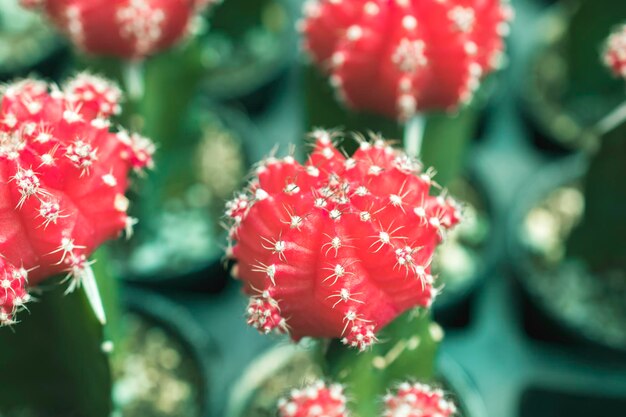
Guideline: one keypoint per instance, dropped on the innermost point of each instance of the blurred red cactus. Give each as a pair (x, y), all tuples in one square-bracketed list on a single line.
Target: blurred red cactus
[(403, 56), (615, 52), (123, 28)]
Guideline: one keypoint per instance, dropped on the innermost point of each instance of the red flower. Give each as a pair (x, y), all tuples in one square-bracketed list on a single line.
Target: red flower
[(402, 56), (63, 175), (123, 28), (615, 52), (417, 400), (340, 246), (316, 400)]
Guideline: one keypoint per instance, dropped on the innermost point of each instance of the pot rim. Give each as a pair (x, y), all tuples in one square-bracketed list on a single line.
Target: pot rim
[(546, 179), (180, 323)]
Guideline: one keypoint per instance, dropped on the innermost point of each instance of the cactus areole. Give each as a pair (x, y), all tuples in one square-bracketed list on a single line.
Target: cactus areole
[(63, 175), (399, 57), (340, 246), (615, 52), (123, 28)]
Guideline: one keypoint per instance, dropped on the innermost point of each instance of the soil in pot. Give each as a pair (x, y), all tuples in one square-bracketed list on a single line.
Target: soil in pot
[(589, 305), (179, 239), (155, 376)]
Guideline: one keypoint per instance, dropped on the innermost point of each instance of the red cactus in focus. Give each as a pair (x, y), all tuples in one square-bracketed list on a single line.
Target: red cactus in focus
[(13, 293), (123, 28), (316, 400), (340, 246), (398, 57), (615, 52), (418, 400), (63, 175)]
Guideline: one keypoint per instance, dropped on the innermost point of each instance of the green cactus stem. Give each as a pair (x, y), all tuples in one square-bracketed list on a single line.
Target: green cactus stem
[(59, 353), (406, 351)]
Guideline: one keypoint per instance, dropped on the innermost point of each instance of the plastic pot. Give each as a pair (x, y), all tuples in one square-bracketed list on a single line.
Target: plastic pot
[(568, 89), (163, 368), (468, 255), (574, 302), (247, 47), (179, 241)]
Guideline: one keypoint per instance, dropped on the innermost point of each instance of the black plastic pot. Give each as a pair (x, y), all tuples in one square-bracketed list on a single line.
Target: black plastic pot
[(179, 241), (555, 319), (460, 387), (451, 308), (560, 110), (179, 324), (247, 48)]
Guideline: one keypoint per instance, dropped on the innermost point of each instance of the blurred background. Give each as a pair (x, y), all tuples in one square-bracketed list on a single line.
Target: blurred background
[(531, 329)]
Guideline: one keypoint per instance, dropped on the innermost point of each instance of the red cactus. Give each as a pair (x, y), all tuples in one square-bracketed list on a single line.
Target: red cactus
[(338, 247), (417, 400), (397, 57), (63, 175), (123, 28), (316, 400), (615, 52), (13, 293), (97, 96)]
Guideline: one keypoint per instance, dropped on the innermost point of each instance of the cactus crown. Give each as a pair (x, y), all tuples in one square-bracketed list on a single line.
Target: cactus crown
[(63, 177), (340, 246), (615, 52), (315, 400), (417, 400), (397, 57), (124, 28)]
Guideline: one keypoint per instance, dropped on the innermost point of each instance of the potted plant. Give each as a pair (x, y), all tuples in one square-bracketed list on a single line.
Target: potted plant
[(567, 93), (566, 227), (340, 250), (389, 69)]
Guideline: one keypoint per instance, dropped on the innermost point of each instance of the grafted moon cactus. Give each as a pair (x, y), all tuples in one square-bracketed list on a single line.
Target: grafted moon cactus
[(417, 400), (63, 175), (615, 52), (398, 57), (340, 246), (316, 400), (123, 28)]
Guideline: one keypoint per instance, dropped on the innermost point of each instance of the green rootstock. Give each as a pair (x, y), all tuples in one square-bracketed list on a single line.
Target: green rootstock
[(599, 238), (52, 360), (405, 351)]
